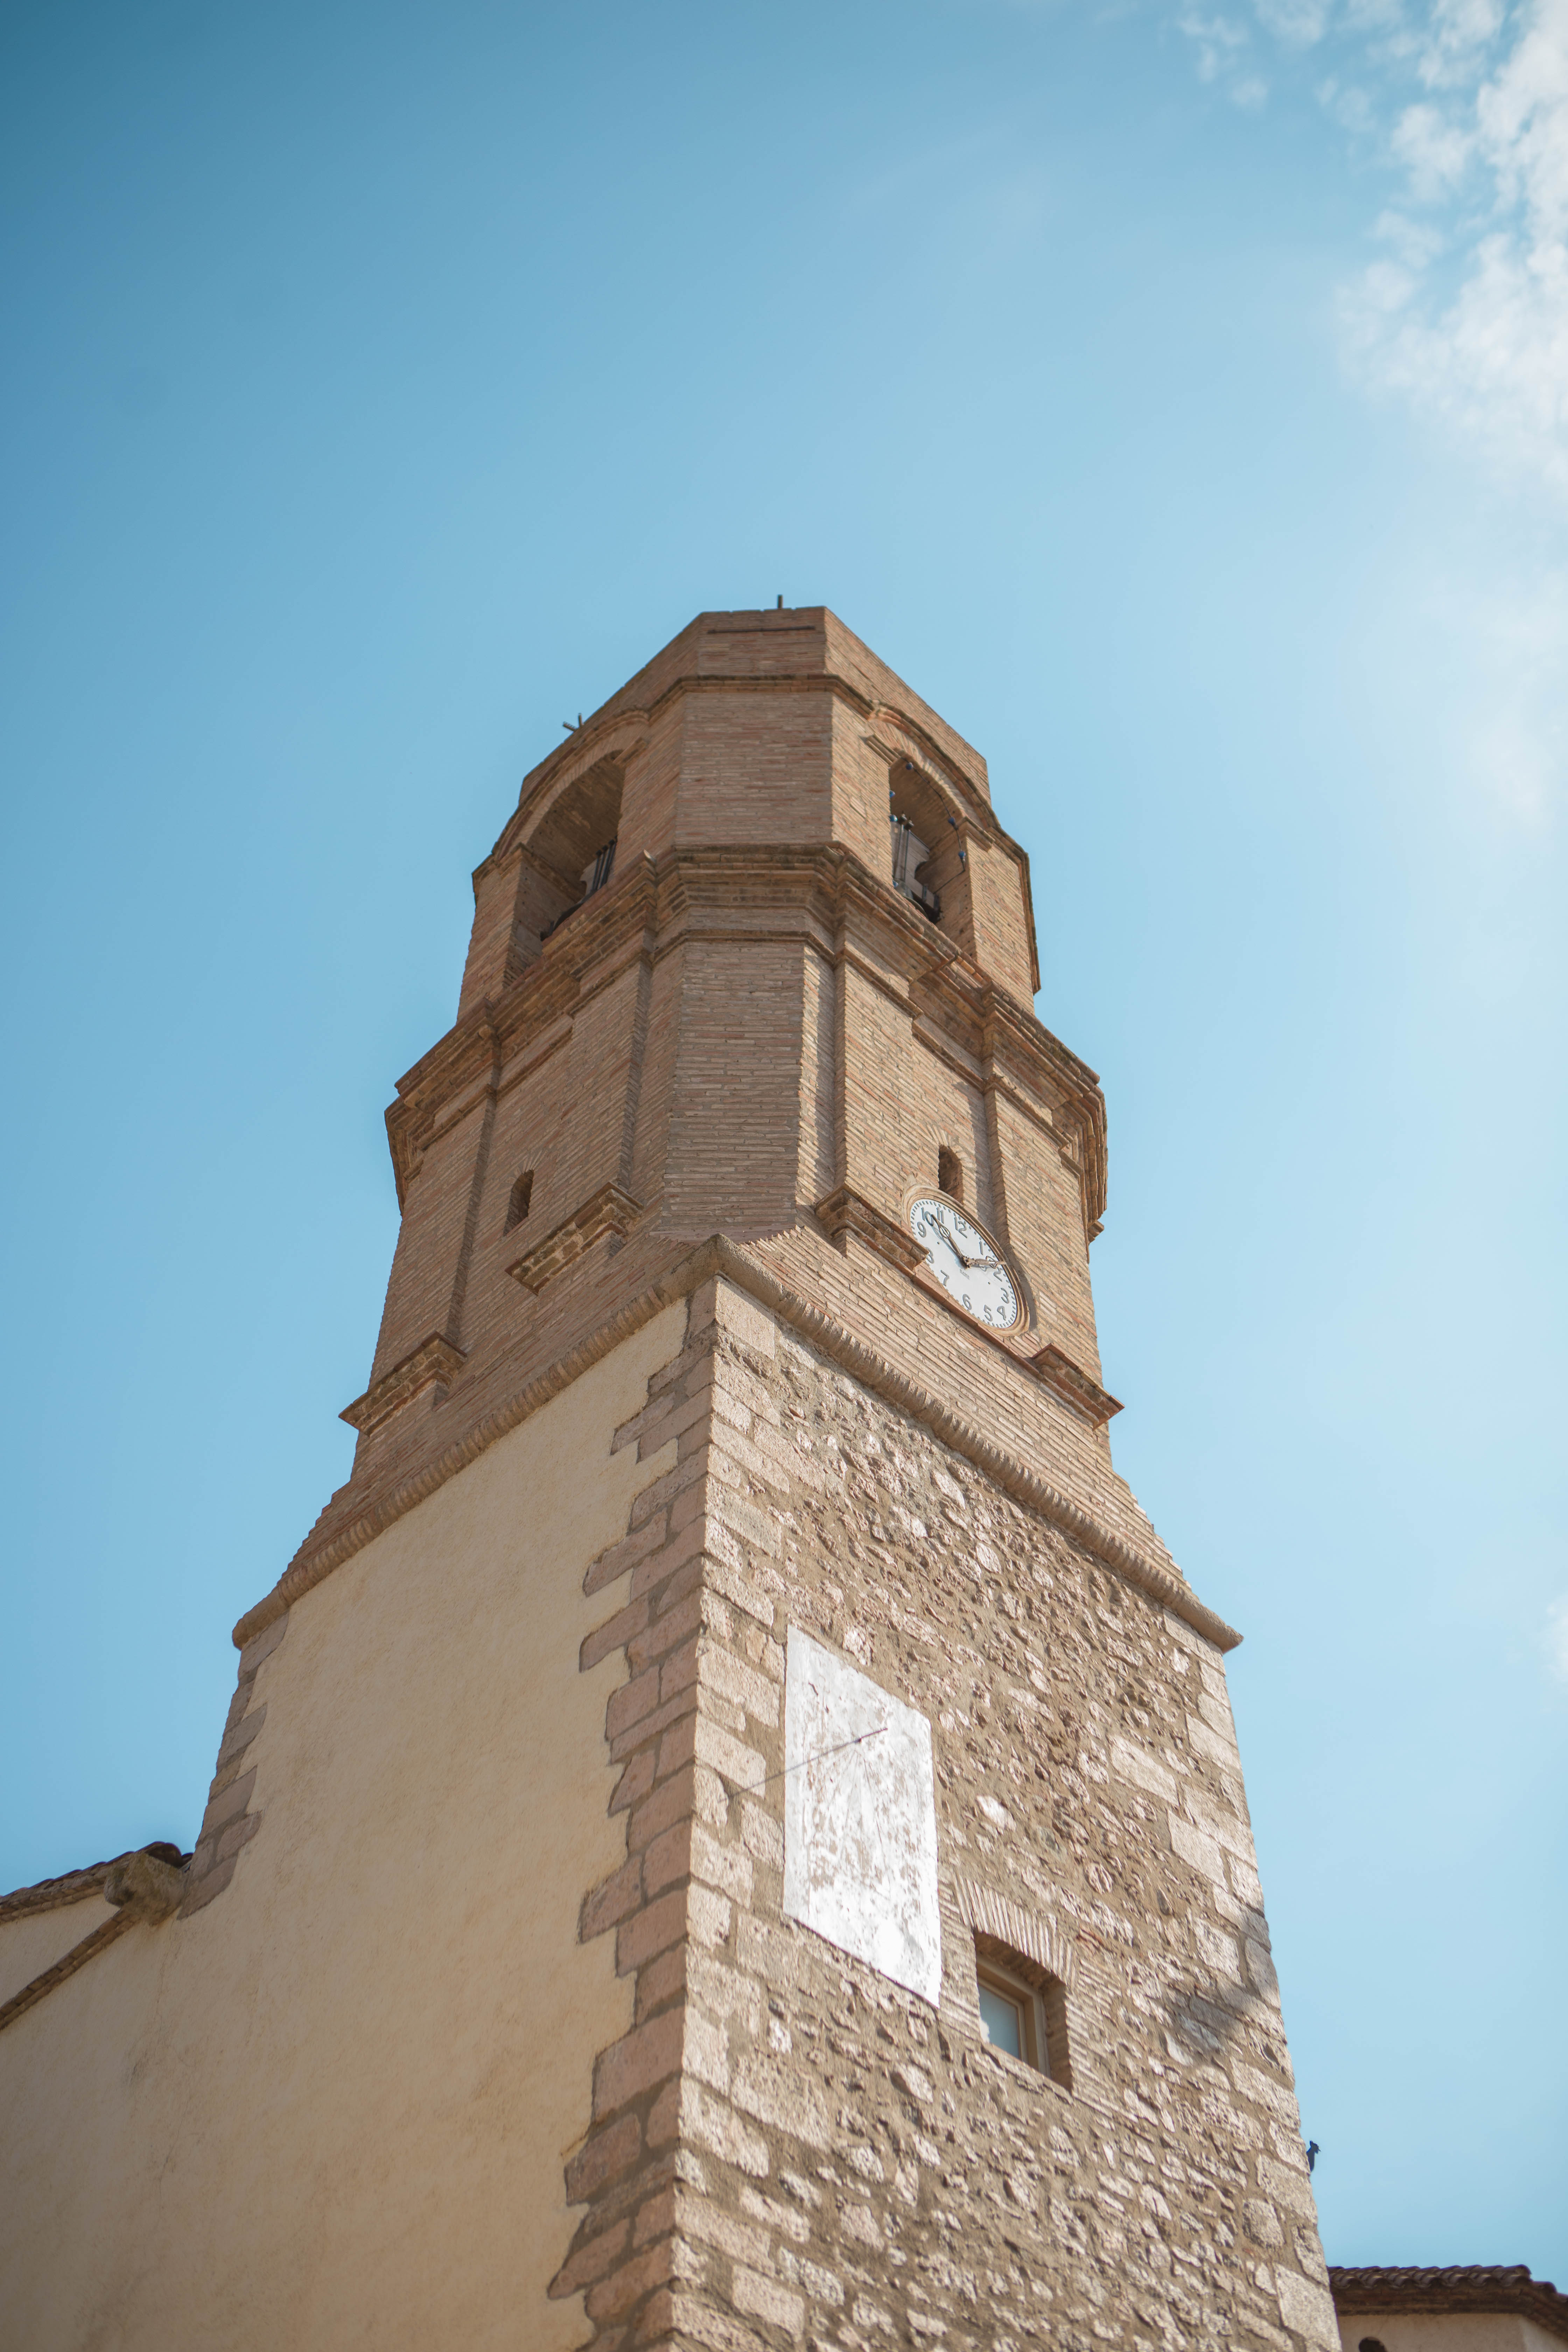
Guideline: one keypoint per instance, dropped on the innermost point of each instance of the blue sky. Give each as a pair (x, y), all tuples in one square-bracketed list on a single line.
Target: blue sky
[(1179, 400)]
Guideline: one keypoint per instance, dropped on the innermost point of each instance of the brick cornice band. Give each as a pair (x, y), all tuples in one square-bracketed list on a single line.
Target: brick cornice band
[(315, 1561), (647, 910), (611, 1210), (1060, 1372), (434, 1362), (847, 1212)]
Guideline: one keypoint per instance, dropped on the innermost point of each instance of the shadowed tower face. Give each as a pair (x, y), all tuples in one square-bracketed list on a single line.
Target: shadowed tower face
[(730, 1827)]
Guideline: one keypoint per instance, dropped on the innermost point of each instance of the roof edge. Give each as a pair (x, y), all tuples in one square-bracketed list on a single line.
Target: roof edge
[(1466, 2286), (76, 1885)]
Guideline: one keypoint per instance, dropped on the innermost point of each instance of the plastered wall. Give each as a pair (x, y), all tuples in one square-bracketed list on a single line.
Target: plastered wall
[(333, 2106), (30, 1945), (1446, 2331)]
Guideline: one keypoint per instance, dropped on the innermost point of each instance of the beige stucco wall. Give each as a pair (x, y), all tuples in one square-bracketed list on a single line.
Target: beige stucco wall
[(1447, 2331), (30, 1945), (332, 2107)]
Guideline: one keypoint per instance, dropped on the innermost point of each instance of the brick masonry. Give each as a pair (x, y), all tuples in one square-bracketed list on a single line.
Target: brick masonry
[(750, 1019), (787, 2147)]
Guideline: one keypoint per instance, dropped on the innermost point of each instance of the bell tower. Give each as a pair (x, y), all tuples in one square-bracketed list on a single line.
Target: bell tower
[(731, 1831), (751, 955)]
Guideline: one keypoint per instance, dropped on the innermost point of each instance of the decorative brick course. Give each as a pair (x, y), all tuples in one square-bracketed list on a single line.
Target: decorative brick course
[(610, 1210), (435, 1363)]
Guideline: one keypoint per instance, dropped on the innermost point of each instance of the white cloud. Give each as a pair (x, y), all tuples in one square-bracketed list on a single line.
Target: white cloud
[(1224, 44), (1434, 150), (1350, 106), (1456, 32), (1460, 312), (1508, 638), (1416, 243), (1490, 363), (1478, 342), (1557, 1638), (1464, 315), (1300, 23)]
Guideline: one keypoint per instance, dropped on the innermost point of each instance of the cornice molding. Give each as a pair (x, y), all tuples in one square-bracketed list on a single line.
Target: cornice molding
[(316, 1560), (609, 1210), (652, 899), (479, 1049), (1086, 1396), (435, 1363), (81, 1885), (847, 1212)]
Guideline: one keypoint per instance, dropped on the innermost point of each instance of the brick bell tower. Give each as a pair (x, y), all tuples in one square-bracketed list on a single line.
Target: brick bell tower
[(740, 1807)]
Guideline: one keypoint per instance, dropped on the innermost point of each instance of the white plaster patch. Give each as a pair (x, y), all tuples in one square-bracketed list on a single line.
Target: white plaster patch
[(861, 1818)]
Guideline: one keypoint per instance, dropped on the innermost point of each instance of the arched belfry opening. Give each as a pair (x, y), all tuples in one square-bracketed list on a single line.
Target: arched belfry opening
[(570, 854), (928, 862)]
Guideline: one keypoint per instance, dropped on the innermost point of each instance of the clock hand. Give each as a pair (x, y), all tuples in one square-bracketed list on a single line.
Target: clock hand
[(969, 1264)]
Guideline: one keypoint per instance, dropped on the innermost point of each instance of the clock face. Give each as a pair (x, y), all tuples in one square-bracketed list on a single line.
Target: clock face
[(966, 1261)]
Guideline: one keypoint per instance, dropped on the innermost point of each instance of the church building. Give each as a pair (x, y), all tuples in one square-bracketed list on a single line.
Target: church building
[(730, 1832)]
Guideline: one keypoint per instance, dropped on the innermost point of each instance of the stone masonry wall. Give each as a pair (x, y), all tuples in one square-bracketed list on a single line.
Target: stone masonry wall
[(788, 2149)]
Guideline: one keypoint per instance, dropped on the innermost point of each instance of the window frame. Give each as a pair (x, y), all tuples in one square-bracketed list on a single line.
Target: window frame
[(996, 1978)]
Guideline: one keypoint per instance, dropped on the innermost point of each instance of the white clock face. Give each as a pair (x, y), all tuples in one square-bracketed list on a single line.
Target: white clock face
[(966, 1261)]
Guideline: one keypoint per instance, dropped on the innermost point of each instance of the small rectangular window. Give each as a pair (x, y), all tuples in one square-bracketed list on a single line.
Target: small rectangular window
[(1023, 2008)]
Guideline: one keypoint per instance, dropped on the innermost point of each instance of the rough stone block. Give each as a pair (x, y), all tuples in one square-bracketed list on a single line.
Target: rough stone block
[(784, 2097), (781, 2306), (648, 2055), (1308, 2309)]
